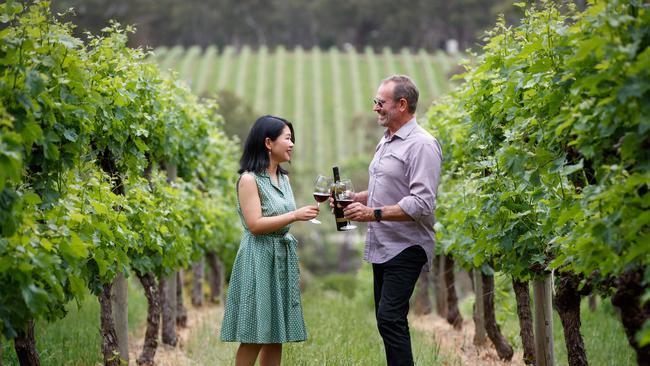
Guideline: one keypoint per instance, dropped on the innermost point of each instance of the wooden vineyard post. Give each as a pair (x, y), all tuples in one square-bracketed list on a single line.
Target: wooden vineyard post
[(197, 282), (168, 290), (480, 336), (119, 300), (543, 321), (439, 285)]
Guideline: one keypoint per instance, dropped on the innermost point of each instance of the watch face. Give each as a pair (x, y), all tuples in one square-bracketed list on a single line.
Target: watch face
[(378, 214)]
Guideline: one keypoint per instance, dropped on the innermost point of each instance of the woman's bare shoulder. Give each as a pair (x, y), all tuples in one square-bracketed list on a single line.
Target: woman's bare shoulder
[(247, 179)]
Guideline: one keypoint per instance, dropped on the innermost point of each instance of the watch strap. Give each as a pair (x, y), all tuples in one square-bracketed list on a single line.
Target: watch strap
[(377, 213)]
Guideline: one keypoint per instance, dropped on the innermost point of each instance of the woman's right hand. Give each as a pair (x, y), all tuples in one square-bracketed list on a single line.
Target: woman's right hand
[(306, 213)]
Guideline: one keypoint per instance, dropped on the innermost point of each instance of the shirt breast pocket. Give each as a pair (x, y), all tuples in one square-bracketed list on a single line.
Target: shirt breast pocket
[(393, 165)]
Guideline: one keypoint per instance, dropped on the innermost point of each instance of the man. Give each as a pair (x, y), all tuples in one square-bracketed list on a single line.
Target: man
[(400, 207)]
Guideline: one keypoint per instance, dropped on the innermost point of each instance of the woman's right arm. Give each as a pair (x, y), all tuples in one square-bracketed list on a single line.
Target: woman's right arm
[(249, 200)]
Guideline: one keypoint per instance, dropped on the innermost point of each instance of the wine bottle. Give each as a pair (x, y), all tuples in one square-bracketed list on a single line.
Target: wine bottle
[(338, 209)]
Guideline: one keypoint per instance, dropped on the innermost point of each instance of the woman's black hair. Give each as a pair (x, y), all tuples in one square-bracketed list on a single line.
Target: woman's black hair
[(255, 157)]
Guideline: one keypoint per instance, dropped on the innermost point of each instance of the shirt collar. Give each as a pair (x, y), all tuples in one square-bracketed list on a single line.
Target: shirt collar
[(265, 174), (403, 132)]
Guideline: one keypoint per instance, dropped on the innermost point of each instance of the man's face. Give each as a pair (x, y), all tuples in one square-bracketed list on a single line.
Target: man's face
[(384, 105)]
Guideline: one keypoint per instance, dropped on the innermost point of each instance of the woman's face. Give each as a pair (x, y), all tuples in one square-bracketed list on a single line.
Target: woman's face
[(281, 147)]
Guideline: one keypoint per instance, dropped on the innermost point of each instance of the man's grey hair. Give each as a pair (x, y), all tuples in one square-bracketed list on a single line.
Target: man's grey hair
[(404, 88)]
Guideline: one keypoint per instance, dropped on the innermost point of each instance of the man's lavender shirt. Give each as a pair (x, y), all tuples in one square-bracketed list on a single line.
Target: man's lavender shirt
[(405, 171)]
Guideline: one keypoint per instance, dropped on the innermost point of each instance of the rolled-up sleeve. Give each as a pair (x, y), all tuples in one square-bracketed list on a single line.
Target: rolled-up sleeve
[(423, 174)]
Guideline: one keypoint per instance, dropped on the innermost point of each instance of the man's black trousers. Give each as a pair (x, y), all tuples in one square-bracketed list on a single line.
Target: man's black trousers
[(394, 282)]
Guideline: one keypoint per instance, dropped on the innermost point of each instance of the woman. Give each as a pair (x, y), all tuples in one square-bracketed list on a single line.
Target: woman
[(263, 308)]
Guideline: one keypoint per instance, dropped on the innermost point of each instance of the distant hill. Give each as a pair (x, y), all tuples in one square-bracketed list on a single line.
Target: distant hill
[(325, 93)]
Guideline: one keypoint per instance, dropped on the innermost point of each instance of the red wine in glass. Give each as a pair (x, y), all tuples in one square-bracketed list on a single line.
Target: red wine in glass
[(345, 203), (321, 192), (321, 197), (345, 196)]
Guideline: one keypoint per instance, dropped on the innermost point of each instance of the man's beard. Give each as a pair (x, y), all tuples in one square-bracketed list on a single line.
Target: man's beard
[(383, 120)]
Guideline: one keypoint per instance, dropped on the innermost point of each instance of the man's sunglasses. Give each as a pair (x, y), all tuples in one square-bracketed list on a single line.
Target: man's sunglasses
[(378, 102)]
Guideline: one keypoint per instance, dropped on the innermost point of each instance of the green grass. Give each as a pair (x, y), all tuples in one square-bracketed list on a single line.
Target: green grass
[(75, 339), (205, 71), (276, 89), (340, 323), (187, 66), (171, 58), (262, 90), (341, 330), (296, 108), (243, 65), (224, 69), (602, 332), (319, 102)]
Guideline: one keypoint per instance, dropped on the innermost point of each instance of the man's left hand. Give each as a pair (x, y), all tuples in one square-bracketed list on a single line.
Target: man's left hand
[(358, 212)]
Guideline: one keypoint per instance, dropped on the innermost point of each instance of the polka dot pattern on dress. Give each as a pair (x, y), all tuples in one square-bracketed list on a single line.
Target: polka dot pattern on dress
[(263, 303)]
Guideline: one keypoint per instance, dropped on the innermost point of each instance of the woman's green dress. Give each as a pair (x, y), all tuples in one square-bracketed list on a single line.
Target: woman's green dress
[(263, 303)]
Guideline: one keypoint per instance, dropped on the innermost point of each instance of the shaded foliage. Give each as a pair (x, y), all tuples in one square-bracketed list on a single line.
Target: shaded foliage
[(418, 24)]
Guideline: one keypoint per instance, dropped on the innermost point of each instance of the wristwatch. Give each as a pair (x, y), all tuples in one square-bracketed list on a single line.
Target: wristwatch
[(377, 212)]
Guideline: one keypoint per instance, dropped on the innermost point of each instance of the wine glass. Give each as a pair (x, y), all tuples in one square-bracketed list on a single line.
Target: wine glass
[(345, 196), (321, 192)]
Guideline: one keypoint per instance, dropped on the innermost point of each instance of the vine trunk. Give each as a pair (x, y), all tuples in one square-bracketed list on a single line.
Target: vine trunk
[(110, 348), (148, 281), (216, 277), (25, 346), (422, 302), (627, 298), (567, 302), (181, 311), (522, 294), (504, 350), (453, 314)]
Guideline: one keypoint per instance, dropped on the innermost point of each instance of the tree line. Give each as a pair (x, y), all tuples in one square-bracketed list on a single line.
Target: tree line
[(323, 23)]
